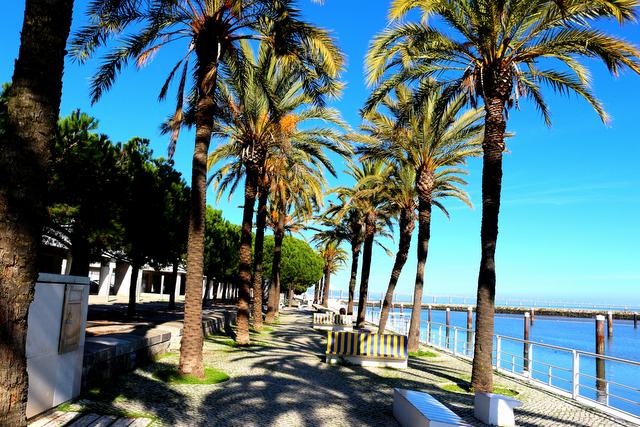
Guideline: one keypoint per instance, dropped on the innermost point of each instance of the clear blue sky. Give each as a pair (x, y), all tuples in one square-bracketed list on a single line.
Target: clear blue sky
[(571, 198)]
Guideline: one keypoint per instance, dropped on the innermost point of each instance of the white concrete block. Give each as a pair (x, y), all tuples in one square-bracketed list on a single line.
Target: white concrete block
[(55, 377), (495, 409)]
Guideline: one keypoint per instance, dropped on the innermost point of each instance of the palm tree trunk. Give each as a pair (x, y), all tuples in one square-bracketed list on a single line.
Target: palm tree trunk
[(407, 225), (370, 231), (316, 291), (355, 257), (250, 191), (424, 234), (261, 224), (33, 107), (327, 283), (493, 146), (192, 337), (133, 288), (172, 286), (273, 307)]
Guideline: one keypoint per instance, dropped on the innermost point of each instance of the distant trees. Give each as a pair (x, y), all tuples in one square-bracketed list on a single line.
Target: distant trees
[(84, 194), (301, 267), (221, 248), (116, 198)]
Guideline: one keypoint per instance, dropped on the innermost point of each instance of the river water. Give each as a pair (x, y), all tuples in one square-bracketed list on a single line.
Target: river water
[(571, 333)]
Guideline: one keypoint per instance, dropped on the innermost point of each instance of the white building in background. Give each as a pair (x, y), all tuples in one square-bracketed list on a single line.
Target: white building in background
[(112, 277)]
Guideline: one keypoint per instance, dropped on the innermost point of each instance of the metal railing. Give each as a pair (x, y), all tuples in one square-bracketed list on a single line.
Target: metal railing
[(573, 373)]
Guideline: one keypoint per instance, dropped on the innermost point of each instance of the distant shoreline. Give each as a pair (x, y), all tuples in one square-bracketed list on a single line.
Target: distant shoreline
[(538, 311)]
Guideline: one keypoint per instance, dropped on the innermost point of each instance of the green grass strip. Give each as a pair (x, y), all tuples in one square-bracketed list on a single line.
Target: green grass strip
[(170, 375)]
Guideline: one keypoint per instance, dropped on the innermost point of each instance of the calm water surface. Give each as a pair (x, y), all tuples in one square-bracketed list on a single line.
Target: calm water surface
[(578, 334)]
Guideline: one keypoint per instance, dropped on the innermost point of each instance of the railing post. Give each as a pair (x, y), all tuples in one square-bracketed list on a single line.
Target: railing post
[(447, 323), (440, 335), (498, 351), (455, 340), (525, 346), (469, 328), (600, 369), (575, 377)]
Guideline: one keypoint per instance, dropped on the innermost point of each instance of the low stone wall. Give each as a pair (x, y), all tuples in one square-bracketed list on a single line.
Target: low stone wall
[(107, 356)]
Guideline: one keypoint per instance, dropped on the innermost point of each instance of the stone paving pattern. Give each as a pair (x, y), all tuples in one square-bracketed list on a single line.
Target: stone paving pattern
[(286, 383)]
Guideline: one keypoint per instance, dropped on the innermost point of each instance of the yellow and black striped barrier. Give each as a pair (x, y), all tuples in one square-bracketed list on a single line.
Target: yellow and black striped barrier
[(364, 344)]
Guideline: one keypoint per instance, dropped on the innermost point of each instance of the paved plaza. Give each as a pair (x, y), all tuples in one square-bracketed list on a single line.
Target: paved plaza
[(284, 381)]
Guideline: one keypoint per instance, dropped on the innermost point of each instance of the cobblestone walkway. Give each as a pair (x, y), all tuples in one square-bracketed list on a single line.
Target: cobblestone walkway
[(285, 382)]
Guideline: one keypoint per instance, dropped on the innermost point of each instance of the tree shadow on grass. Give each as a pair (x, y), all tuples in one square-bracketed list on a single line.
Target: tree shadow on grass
[(135, 395)]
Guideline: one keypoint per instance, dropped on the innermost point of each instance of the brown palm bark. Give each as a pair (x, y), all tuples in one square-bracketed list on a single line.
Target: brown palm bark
[(407, 225), (424, 234), (356, 246), (273, 307), (316, 291), (261, 225), (369, 235), (172, 285), (493, 146), (192, 337), (326, 284), (33, 107), (250, 191)]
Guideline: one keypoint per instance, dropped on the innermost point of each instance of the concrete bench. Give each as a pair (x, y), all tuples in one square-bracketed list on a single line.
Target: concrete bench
[(417, 409), (495, 409), (367, 349), (332, 322)]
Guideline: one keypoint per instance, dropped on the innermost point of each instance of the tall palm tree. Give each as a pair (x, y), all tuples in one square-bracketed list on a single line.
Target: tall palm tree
[(30, 121), (210, 30), (435, 139), (267, 101), (399, 191), (348, 227), (366, 198), (500, 51), (334, 258)]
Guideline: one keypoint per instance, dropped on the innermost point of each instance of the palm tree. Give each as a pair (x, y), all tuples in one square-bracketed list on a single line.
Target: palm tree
[(31, 116), (267, 102), (435, 140), (296, 192), (334, 258), (210, 30), (399, 191), (348, 227), (501, 51), (366, 198)]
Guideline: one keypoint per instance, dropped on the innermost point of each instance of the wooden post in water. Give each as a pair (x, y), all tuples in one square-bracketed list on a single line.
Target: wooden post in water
[(601, 386), (525, 345), (635, 320), (609, 324), (469, 327), (448, 322)]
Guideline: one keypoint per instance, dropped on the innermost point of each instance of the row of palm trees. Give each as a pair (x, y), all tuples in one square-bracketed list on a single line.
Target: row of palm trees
[(214, 35), (461, 52), (416, 134)]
